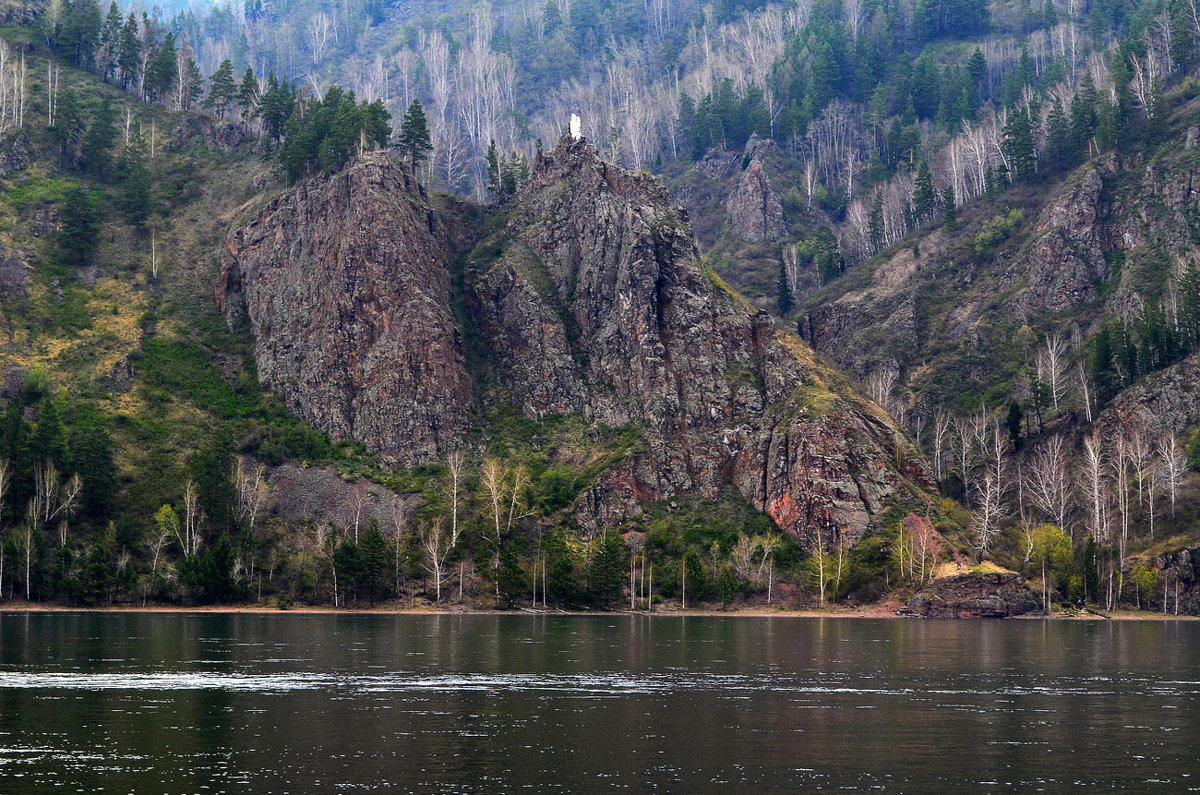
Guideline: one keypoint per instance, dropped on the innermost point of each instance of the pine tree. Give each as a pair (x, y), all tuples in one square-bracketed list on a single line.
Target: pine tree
[(193, 84), (875, 223), (110, 41), (247, 96), (1057, 130), (949, 212), (134, 199), (493, 170), (68, 123), (977, 69), (924, 196), (222, 88), (786, 300), (373, 559), (1019, 146), (96, 152), (161, 77), (414, 135), (129, 52)]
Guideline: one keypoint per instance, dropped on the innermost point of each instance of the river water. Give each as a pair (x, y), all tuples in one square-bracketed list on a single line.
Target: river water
[(145, 702)]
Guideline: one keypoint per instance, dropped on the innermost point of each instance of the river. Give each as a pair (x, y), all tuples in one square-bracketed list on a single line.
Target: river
[(325, 702)]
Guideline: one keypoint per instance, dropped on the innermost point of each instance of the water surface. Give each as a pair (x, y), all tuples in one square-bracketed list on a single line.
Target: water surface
[(290, 702)]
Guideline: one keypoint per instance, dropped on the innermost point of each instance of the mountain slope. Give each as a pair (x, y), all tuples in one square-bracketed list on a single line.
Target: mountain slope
[(592, 300)]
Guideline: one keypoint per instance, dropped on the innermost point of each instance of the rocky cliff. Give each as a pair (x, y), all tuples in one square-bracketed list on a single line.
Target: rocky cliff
[(754, 207), (345, 284), (592, 300)]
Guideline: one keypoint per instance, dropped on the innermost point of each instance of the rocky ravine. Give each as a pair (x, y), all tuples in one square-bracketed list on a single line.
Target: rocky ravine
[(591, 300)]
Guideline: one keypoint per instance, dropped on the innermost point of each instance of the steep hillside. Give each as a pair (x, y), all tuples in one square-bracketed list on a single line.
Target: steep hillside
[(590, 300)]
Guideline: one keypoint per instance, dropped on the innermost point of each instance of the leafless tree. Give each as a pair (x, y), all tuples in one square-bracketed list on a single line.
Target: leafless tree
[(1085, 390), (1094, 486), (1052, 367), (456, 464), (1119, 465), (1174, 465), (437, 549), (251, 492), (318, 32), (991, 488), (1048, 483), (943, 424), (191, 520)]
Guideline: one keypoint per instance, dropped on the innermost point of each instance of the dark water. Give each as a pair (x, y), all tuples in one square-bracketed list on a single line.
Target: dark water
[(301, 703)]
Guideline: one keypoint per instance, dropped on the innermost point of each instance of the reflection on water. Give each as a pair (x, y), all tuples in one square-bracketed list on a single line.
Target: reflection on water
[(134, 702)]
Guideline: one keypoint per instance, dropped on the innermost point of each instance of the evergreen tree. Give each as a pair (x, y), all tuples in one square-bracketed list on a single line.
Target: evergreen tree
[(511, 580), (373, 121), (91, 455), (786, 300), (68, 123), (607, 573), (222, 89), (373, 560), (414, 135), (49, 440), (110, 41), (1057, 142), (193, 89), (80, 227), (1019, 145), (924, 196), (247, 96), (493, 170), (726, 586), (161, 76), (1012, 421), (875, 222), (96, 152), (275, 106), (129, 53), (134, 199), (949, 212), (697, 576)]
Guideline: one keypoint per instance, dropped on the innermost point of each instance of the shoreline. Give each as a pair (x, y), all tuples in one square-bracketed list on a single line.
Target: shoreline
[(883, 611)]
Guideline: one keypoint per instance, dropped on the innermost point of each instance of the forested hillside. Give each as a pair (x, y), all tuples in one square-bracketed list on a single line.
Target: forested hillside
[(984, 213)]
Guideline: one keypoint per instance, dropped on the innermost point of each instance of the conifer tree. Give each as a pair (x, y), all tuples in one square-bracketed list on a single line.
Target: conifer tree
[(1019, 146), (247, 96), (414, 135), (493, 170), (949, 212), (96, 152), (161, 76), (1057, 130), (786, 300), (924, 196), (875, 223), (129, 53), (222, 88), (135, 197)]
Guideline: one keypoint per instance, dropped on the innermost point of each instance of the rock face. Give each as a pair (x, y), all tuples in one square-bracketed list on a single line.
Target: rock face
[(1180, 572), (345, 283), (975, 595), (1066, 262), (592, 300), (755, 208), (1168, 400)]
